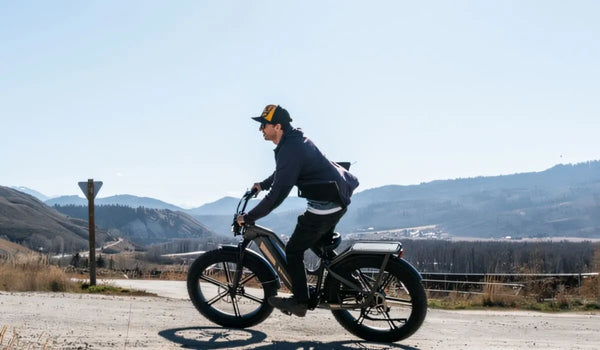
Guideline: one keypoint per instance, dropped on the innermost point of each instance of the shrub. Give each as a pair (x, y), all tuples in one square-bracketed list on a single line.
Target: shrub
[(592, 306)]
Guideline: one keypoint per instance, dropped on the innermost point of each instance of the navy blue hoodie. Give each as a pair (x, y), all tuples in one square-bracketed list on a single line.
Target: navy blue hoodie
[(300, 163)]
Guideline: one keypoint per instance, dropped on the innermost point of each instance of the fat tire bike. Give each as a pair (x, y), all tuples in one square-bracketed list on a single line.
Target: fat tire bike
[(371, 291)]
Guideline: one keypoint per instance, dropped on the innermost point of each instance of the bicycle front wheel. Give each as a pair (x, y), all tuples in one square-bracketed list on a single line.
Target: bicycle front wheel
[(209, 285), (397, 309)]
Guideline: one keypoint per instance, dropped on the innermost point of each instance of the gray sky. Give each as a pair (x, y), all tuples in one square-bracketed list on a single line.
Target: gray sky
[(154, 98)]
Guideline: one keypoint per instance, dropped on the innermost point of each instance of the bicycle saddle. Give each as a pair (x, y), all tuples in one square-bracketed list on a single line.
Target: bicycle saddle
[(325, 246)]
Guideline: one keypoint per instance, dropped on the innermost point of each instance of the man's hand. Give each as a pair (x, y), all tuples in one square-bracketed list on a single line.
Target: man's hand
[(256, 187), (240, 220)]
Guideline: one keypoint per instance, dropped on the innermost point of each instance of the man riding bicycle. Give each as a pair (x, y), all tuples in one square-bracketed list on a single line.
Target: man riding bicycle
[(326, 185)]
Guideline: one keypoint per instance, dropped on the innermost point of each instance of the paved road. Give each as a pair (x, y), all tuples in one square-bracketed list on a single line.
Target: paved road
[(76, 321), (169, 289)]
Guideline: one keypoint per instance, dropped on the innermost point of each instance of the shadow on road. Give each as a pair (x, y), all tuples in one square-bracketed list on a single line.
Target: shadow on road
[(231, 338)]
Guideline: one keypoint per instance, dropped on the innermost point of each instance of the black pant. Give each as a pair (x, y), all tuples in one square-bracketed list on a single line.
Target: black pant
[(310, 228)]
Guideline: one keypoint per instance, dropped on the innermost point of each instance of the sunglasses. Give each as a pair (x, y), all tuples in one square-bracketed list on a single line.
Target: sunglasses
[(263, 125)]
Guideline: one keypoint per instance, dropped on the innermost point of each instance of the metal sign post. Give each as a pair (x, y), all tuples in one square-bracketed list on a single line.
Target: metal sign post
[(90, 189)]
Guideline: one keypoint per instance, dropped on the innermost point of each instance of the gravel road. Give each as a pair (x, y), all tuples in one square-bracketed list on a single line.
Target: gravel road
[(74, 321)]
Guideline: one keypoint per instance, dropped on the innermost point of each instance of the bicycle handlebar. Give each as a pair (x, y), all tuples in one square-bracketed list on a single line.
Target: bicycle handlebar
[(235, 227)]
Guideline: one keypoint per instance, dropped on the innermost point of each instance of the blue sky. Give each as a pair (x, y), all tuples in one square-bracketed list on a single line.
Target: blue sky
[(154, 98)]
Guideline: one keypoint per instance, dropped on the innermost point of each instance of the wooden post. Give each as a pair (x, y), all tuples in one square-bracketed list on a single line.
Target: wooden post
[(92, 255)]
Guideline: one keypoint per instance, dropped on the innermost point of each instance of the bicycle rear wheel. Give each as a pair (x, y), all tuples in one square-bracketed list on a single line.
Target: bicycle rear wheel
[(399, 306)]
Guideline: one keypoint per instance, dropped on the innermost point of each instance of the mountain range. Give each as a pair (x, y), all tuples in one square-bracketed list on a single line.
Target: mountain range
[(223, 206), (122, 199), (141, 225), (29, 191), (29, 222), (561, 201)]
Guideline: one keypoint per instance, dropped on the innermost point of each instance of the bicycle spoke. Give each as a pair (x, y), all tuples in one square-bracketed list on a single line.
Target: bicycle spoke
[(236, 308), (212, 281), (387, 318), (247, 278), (369, 282), (362, 316), (226, 269), (385, 282), (398, 301), (217, 297), (252, 297)]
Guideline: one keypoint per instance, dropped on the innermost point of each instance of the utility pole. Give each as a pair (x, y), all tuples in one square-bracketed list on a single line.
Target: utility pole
[(90, 189)]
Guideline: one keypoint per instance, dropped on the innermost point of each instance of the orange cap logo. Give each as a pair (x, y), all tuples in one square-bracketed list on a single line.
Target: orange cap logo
[(269, 112)]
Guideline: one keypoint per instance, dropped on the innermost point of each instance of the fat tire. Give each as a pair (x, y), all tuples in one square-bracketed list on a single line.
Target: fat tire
[(251, 263), (396, 268)]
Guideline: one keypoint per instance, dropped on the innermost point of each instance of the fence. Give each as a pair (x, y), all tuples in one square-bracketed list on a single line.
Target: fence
[(541, 286)]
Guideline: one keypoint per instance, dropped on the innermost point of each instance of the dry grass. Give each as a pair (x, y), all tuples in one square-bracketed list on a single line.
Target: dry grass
[(497, 295), (32, 272), (455, 300), (14, 341)]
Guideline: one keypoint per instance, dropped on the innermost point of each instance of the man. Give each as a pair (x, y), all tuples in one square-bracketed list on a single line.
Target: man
[(326, 185)]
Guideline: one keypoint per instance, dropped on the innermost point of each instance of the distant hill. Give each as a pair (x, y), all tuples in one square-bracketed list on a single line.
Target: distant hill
[(142, 225), (27, 221), (218, 215), (554, 180), (123, 199), (227, 205), (279, 222), (68, 200), (36, 194), (8, 249), (223, 206), (561, 201)]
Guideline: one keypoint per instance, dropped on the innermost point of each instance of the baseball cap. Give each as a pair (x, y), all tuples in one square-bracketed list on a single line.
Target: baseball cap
[(274, 114)]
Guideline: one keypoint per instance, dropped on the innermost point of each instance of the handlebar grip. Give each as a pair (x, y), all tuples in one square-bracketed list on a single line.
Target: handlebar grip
[(236, 228), (251, 193)]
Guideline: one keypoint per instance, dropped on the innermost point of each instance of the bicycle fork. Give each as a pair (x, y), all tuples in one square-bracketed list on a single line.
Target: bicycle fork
[(237, 276)]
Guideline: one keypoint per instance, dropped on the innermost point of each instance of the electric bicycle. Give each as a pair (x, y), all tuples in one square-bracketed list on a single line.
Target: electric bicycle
[(371, 291)]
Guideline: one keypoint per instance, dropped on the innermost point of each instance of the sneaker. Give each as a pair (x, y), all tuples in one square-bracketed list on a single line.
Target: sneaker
[(289, 306)]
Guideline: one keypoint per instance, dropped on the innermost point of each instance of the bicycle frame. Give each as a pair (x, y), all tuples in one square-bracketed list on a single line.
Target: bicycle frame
[(273, 249)]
